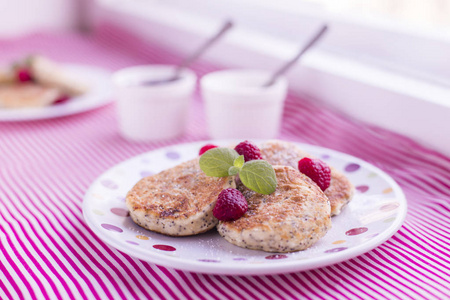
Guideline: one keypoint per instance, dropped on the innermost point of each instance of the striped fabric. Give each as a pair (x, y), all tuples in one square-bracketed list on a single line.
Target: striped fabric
[(48, 252)]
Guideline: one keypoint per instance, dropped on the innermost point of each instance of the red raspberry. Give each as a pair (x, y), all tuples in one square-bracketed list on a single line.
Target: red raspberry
[(317, 170), (24, 75), (230, 205), (61, 99), (249, 150), (206, 148)]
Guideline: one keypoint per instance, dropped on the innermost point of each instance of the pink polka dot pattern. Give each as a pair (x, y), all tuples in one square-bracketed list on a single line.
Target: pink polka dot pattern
[(209, 260), (352, 167), (121, 212), (276, 256), (389, 207), (109, 184), (146, 173), (372, 236), (362, 188), (164, 247), (173, 155), (339, 249), (356, 231), (111, 227)]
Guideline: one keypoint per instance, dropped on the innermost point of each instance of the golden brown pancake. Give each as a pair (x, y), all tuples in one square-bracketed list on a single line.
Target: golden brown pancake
[(26, 95), (292, 218), (7, 76), (340, 191), (50, 74), (178, 201)]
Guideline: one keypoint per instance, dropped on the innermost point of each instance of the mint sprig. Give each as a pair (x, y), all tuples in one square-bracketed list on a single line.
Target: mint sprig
[(239, 162), (216, 162), (257, 175)]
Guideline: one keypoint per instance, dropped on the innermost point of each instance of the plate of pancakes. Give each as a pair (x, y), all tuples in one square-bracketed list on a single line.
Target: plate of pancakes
[(39, 88), (158, 207)]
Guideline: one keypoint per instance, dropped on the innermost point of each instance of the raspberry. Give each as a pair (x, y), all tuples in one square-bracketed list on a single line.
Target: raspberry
[(24, 75), (206, 148), (230, 205), (249, 150), (317, 170), (61, 99)]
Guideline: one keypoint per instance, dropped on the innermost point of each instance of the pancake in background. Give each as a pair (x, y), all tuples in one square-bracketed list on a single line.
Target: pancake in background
[(27, 95), (340, 191), (50, 74), (7, 76)]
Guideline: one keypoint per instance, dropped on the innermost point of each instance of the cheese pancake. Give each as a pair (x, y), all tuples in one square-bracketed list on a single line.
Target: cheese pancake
[(340, 191), (292, 218), (178, 201), (25, 95)]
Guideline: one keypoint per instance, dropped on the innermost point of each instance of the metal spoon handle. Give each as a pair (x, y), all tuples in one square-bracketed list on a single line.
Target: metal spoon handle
[(187, 61), (290, 63)]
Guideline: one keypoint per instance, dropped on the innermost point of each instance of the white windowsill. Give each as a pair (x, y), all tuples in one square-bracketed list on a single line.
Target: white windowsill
[(404, 104)]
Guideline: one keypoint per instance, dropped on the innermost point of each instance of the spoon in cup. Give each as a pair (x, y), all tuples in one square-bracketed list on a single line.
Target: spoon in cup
[(290, 63), (190, 59)]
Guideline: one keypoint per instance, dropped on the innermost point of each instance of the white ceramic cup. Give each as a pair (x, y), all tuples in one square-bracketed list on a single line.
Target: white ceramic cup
[(238, 106), (152, 112)]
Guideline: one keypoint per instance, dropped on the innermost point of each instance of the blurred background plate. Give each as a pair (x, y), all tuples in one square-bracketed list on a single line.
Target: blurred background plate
[(99, 94)]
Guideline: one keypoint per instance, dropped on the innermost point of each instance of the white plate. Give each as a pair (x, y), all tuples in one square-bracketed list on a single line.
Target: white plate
[(99, 94), (376, 212)]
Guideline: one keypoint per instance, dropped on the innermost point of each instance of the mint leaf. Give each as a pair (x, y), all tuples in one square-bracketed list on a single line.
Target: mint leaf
[(259, 176), (233, 170), (239, 162), (216, 162), (237, 165)]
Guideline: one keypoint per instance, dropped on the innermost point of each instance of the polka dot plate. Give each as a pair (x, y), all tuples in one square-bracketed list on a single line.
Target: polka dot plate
[(376, 212)]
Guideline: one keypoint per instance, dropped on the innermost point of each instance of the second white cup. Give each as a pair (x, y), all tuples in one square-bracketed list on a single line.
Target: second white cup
[(238, 106)]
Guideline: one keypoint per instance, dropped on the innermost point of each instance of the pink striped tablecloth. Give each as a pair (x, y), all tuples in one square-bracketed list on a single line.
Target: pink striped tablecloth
[(48, 252)]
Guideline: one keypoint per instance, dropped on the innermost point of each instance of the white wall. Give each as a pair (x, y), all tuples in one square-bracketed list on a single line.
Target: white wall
[(20, 17)]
